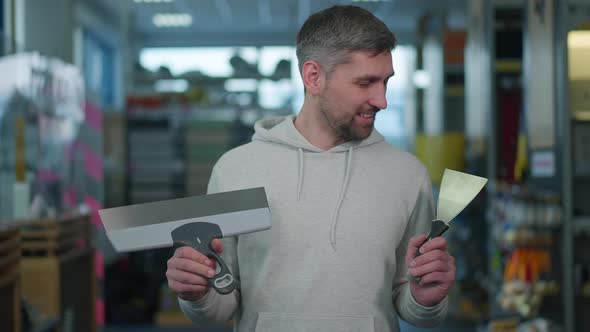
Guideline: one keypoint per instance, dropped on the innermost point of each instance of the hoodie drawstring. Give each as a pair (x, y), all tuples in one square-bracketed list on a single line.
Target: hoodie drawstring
[(300, 174), (343, 188), (340, 198)]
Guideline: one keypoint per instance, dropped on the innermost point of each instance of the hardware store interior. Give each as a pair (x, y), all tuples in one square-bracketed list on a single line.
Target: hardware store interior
[(111, 103)]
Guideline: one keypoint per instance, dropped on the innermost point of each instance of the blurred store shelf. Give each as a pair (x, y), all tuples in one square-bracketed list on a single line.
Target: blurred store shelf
[(581, 225)]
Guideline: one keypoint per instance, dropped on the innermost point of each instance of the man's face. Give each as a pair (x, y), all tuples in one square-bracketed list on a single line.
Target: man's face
[(353, 94)]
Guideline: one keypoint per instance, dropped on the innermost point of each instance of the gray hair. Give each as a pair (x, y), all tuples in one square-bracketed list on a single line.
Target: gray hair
[(329, 36)]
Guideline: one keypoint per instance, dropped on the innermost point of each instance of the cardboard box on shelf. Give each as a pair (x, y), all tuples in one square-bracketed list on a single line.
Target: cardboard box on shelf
[(10, 293), (58, 271)]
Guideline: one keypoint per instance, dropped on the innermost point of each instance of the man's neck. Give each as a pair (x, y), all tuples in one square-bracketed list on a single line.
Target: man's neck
[(312, 126)]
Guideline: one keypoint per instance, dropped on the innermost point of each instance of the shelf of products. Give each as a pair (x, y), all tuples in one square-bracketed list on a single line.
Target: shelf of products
[(173, 139), (525, 215), (581, 225), (154, 163), (172, 144), (205, 142), (576, 125), (58, 273), (526, 228)]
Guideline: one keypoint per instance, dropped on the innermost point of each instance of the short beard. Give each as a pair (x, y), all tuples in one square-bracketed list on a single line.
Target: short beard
[(344, 130)]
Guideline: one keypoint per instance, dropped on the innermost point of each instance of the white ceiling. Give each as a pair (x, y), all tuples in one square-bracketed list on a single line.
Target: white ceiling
[(264, 22)]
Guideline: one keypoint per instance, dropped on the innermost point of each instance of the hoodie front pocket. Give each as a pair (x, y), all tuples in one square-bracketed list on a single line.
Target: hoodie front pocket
[(282, 322)]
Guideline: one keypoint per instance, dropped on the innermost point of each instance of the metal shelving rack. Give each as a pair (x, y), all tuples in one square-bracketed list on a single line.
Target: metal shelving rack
[(573, 224), (574, 186)]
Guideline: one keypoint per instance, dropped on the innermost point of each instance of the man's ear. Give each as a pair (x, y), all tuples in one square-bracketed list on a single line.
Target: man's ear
[(311, 74)]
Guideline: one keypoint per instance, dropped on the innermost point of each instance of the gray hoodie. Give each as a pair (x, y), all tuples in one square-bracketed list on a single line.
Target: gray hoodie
[(333, 259)]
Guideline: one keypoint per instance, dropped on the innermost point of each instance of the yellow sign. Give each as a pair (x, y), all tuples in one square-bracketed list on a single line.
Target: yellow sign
[(20, 162), (439, 152)]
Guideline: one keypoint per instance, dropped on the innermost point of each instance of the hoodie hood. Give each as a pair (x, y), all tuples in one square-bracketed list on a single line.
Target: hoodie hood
[(281, 130)]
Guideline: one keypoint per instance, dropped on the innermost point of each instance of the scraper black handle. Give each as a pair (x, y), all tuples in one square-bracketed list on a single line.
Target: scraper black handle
[(437, 229), (199, 236)]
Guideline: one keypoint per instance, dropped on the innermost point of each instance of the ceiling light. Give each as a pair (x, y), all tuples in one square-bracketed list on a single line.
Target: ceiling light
[(172, 20), (241, 85), (171, 85), (421, 79), (152, 1)]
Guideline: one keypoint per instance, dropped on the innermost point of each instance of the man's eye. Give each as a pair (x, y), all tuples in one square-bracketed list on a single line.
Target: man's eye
[(364, 84)]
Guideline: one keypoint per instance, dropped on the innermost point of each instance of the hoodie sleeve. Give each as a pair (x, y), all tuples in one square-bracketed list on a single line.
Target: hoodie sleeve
[(214, 308), (405, 304)]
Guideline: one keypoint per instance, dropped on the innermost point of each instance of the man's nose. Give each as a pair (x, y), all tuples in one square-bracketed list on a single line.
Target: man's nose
[(378, 97)]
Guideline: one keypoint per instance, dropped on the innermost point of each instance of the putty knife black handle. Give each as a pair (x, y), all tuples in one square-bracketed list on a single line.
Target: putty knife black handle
[(199, 236), (437, 229)]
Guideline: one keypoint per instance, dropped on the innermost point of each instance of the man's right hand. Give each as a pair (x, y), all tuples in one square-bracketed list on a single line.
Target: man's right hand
[(189, 270)]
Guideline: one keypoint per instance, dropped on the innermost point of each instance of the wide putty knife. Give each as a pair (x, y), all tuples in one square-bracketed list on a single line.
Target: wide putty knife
[(192, 221), (457, 190)]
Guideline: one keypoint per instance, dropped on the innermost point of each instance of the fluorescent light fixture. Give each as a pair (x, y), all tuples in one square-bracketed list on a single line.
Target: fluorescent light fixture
[(167, 20), (241, 85), (174, 85), (421, 79), (153, 1), (578, 39)]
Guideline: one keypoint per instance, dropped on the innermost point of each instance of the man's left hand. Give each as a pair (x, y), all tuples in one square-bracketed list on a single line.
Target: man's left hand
[(435, 267)]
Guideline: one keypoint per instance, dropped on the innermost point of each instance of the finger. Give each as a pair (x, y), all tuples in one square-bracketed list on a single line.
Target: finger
[(434, 266), (190, 266), (217, 245), (186, 288), (192, 254), (182, 277), (214, 265), (442, 279), (430, 256), (413, 246), (436, 243)]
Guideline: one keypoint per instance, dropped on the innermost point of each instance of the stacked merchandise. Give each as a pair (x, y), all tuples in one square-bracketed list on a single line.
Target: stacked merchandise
[(205, 142), (579, 88), (51, 161), (173, 141), (206, 139), (44, 163), (153, 128), (114, 154), (10, 299), (582, 278), (36, 111), (153, 162), (59, 250), (154, 172), (526, 232)]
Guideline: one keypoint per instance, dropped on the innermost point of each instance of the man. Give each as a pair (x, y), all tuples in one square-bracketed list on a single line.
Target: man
[(347, 208)]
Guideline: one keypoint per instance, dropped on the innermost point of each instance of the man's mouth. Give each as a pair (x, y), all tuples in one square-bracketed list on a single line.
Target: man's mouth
[(365, 118)]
